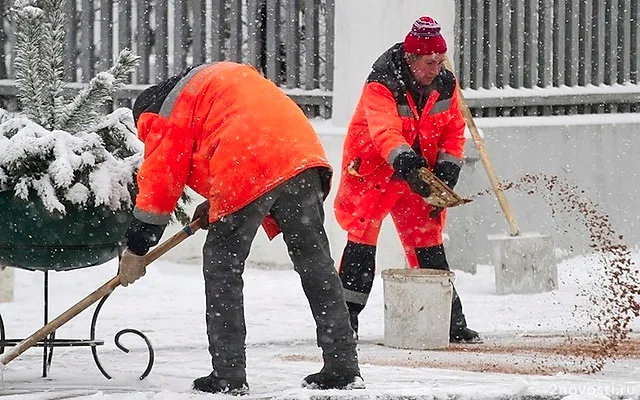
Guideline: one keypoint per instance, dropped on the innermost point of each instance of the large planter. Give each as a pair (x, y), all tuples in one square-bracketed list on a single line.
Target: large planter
[(35, 239)]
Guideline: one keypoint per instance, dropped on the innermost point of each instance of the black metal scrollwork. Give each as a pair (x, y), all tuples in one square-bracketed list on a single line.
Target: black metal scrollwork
[(116, 340), (51, 342)]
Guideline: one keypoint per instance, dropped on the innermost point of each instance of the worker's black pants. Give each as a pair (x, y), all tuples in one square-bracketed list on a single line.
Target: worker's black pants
[(296, 205)]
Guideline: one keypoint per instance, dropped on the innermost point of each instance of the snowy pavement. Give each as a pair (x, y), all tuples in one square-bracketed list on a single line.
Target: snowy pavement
[(168, 306)]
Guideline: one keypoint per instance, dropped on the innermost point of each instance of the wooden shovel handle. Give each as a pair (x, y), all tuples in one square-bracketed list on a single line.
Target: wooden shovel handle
[(484, 156), (99, 293)]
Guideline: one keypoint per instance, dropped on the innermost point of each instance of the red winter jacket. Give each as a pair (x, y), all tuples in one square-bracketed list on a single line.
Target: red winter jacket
[(225, 131), (387, 119)]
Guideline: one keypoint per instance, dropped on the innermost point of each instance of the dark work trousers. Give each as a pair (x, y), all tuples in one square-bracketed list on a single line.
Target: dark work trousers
[(357, 270), (296, 205)]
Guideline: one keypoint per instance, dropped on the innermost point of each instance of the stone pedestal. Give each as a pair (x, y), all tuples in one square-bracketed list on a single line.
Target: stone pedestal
[(524, 263)]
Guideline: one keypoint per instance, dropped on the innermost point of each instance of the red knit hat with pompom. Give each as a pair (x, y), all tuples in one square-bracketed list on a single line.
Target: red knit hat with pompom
[(425, 38)]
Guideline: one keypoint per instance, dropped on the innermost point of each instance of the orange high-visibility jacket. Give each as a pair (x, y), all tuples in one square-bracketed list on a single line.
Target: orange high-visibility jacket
[(229, 134), (386, 120)]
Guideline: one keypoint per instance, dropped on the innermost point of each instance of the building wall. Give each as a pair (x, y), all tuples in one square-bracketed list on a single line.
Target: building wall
[(594, 155)]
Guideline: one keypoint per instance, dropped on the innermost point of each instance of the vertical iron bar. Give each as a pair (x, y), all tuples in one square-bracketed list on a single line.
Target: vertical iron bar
[(124, 24), (586, 44), (599, 49), (292, 38), (635, 43), (559, 24), (45, 347), (106, 34), (3, 40), (181, 36), (545, 49), (235, 40), (143, 40), (254, 33), (199, 31), (273, 41), (87, 57), (329, 43), (517, 39), (531, 40), (71, 49), (463, 62), (504, 62), (624, 40), (217, 30), (311, 41), (572, 43), (490, 50), (161, 41), (478, 46), (611, 42)]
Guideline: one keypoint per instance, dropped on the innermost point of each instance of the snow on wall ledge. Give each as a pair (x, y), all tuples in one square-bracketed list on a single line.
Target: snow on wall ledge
[(598, 153)]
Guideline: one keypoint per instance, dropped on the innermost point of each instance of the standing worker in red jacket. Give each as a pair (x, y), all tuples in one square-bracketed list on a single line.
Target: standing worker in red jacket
[(408, 117), (239, 141)]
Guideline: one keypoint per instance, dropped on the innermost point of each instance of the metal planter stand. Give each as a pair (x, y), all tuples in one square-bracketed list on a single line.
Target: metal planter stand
[(52, 342), (35, 240)]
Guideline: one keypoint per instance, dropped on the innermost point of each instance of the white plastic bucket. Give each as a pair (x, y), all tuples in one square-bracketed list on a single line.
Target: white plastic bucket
[(417, 308)]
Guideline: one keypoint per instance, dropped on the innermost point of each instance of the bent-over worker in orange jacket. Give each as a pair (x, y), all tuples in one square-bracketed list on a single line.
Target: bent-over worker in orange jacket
[(239, 141), (408, 117)]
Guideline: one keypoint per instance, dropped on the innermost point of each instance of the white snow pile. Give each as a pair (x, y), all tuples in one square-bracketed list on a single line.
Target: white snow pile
[(94, 167)]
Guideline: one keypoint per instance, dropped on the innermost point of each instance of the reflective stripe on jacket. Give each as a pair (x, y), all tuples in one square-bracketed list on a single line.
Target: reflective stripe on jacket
[(225, 131)]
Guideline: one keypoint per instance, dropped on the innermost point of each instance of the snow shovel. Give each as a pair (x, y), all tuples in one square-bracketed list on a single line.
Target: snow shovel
[(524, 263), (442, 195), (484, 156), (99, 293)]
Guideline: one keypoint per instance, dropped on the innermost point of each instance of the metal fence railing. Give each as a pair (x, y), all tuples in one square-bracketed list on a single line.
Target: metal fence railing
[(580, 56), (513, 57), (289, 41)]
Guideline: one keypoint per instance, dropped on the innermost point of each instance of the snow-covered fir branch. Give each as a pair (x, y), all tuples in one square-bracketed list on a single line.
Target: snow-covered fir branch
[(28, 58), (52, 66), (85, 107), (61, 168), (67, 153)]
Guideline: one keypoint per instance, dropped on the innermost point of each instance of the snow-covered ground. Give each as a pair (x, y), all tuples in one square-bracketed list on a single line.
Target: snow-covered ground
[(168, 303)]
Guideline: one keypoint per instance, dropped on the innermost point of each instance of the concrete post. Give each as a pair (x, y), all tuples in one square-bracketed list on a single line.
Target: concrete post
[(6, 284), (364, 29)]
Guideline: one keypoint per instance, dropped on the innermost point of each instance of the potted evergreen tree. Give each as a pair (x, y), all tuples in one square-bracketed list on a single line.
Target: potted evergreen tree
[(67, 171)]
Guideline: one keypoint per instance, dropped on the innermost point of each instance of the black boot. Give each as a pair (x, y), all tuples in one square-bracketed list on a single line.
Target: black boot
[(340, 370), (214, 384), (458, 331), (354, 311), (333, 379), (465, 335), (435, 258)]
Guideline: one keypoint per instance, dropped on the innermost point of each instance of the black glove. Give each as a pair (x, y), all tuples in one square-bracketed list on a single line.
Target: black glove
[(202, 213), (141, 236), (447, 172), (407, 164)]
